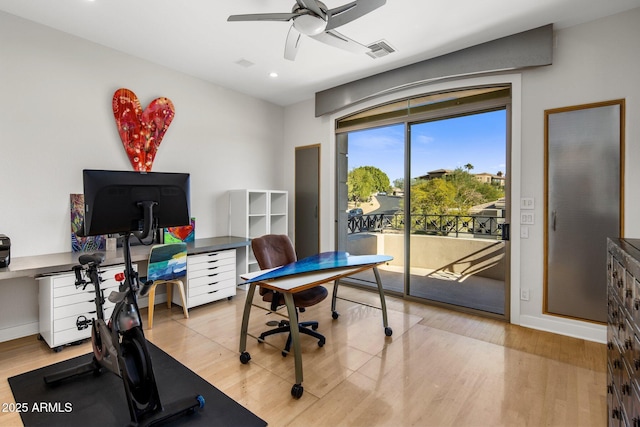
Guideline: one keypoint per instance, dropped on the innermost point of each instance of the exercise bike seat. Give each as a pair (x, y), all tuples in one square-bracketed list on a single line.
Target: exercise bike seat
[(96, 258)]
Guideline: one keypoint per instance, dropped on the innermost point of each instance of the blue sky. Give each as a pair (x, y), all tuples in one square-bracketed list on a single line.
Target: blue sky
[(479, 139)]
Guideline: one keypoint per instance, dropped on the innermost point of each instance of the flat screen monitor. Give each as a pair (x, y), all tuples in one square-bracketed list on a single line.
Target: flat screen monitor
[(114, 201)]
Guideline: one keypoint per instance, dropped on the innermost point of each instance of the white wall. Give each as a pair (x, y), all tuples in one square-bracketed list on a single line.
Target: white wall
[(56, 119), (593, 62)]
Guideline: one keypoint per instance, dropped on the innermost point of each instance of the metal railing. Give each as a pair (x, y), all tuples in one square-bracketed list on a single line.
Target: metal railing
[(437, 225)]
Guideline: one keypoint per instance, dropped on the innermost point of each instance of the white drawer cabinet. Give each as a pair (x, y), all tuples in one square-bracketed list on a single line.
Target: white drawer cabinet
[(210, 277), (62, 304)]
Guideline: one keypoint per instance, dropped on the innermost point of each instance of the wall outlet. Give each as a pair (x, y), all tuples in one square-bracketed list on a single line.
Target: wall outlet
[(524, 232), (524, 294)]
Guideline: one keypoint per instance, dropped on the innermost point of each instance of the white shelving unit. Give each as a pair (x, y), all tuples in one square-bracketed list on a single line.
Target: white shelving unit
[(254, 213)]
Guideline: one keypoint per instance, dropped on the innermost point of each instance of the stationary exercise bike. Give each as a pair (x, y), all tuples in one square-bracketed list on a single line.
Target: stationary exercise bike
[(119, 344)]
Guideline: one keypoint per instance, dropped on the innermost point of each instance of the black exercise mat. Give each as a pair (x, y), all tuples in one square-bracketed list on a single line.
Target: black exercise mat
[(100, 400)]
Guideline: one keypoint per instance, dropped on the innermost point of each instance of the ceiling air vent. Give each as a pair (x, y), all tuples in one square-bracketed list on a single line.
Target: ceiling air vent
[(380, 49), (244, 63)]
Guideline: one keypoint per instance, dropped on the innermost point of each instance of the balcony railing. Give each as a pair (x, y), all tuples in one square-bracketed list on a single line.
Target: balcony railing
[(439, 225)]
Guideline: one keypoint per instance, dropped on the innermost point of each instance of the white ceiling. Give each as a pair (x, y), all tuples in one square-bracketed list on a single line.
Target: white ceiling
[(194, 37)]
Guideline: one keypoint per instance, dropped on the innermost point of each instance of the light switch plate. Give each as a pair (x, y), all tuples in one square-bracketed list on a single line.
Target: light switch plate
[(527, 203), (527, 218)]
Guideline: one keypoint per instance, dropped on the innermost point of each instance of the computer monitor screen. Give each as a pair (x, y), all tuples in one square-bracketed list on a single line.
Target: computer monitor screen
[(114, 200)]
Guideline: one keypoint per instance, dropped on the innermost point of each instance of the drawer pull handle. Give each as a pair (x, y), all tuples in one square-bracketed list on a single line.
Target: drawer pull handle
[(213, 292), (212, 261), (213, 283), (213, 274)]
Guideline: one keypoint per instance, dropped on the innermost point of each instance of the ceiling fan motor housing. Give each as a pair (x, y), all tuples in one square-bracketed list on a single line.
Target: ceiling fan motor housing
[(308, 22)]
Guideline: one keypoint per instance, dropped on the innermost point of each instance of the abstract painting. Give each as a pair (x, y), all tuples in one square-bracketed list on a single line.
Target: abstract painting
[(186, 233), (79, 243)]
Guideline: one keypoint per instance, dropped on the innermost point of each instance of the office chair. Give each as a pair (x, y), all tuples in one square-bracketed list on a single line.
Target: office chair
[(275, 250), (167, 265)]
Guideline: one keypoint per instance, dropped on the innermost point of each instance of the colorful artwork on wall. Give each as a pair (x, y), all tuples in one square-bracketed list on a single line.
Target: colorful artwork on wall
[(78, 243), (185, 233), (141, 131)]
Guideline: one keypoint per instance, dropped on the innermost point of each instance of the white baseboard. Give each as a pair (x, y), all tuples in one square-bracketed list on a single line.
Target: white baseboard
[(569, 327), (8, 334), (20, 331)]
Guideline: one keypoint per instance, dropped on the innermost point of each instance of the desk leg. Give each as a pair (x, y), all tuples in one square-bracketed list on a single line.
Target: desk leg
[(334, 297), (387, 330), (245, 321), (296, 390)]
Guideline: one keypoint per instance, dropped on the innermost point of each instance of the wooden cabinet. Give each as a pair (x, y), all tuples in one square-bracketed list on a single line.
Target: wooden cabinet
[(62, 305), (210, 277), (623, 332), (254, 213)]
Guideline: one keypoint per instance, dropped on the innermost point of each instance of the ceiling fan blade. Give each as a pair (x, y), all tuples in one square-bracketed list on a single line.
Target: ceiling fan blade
[(263, 17), (311, 5), (292, 43), (334, 38), (344, 14)]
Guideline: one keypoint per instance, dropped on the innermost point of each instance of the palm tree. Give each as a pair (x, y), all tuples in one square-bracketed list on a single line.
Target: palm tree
[(468, 167)]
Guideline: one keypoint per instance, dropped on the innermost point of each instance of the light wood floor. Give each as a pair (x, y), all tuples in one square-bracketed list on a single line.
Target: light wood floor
[(440, 368)]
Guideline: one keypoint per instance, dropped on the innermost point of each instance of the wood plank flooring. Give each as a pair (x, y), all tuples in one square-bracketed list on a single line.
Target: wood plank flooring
[(440, 368)]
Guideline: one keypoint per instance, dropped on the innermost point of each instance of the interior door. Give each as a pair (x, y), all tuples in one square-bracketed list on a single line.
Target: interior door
[(583, 205), (307, 201)]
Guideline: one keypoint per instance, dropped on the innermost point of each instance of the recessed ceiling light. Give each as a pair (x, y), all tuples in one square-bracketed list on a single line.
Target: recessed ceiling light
[(273, 74)]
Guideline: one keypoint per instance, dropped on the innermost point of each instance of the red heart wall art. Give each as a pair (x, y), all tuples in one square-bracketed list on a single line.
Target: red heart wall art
[(141, 131)]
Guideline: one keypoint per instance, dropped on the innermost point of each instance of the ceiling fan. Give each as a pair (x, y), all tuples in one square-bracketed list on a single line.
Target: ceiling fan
[(312, 18)]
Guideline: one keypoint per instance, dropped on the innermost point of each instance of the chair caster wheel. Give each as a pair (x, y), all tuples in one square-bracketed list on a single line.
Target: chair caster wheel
[(388, 331), (314, 327), (261, 339), (321, 343), (296, 391), (335, 314), (245, 357), (284, 354)]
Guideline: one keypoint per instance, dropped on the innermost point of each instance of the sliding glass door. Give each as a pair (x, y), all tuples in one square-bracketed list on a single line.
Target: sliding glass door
[(457, 210), (429, 186)]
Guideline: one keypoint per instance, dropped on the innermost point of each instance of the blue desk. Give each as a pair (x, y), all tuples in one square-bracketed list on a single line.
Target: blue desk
[(301, 275)]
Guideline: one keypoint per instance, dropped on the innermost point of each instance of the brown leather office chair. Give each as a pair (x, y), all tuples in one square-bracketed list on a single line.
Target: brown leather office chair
[(275, 250)]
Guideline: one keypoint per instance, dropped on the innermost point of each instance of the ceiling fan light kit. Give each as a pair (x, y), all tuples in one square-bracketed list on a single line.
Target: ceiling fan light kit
[(313, 19)]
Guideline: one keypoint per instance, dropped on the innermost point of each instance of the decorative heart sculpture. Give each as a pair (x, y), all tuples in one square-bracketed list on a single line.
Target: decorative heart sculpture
[(141, 132)]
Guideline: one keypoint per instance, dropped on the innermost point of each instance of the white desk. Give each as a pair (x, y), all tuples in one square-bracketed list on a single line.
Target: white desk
[(295, 283), (19, 308)]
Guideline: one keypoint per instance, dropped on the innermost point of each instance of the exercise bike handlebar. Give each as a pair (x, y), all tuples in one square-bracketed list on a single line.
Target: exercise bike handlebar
[(145, 288)]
